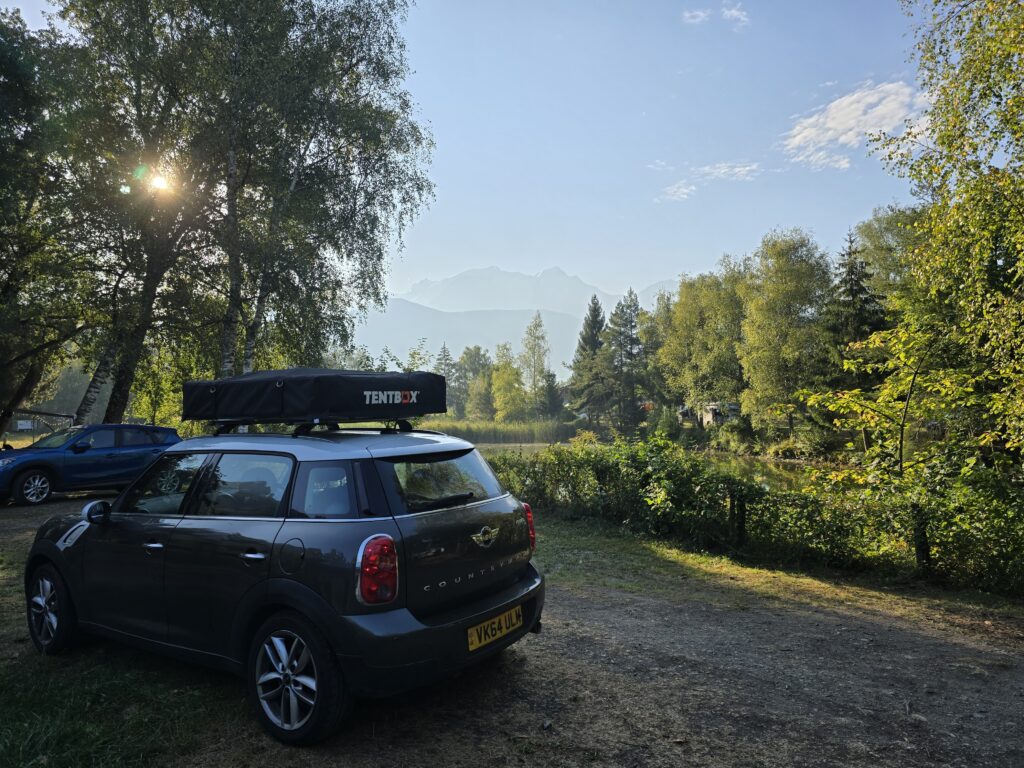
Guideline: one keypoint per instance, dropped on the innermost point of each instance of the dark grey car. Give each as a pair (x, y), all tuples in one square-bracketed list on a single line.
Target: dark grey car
[(351, 563)]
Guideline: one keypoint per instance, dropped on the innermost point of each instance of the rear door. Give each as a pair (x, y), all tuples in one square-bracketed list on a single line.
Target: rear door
[(136, 450), (221, 550), (463, 536)]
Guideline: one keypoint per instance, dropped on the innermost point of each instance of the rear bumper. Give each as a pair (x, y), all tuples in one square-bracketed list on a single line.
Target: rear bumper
[(396, 651)]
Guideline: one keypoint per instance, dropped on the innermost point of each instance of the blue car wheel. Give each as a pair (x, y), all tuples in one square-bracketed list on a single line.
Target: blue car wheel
[(33, 487)]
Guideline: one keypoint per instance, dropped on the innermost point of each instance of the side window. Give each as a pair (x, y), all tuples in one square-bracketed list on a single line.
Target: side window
[(99, 439), (245, 485), (324, 490), (136, 437), (162, 489)]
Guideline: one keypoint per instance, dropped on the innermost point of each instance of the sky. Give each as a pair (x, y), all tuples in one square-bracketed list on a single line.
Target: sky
[(630, 142)]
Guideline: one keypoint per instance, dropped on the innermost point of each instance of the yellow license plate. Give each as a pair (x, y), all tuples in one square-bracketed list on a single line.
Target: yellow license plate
[(495, 628)]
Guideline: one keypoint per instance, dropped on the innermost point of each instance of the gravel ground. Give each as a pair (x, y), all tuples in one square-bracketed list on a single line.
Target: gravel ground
[(716, 676)]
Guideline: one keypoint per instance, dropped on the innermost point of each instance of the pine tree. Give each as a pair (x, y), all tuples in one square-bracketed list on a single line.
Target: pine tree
[(444, 365), (590, 335), (853, 312), (624, 354), (590, 380)]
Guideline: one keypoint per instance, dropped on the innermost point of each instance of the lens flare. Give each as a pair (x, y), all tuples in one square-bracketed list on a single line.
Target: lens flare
[(159, 182)]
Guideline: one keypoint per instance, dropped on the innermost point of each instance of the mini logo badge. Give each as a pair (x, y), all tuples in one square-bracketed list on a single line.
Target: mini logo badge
[(486, 536), (390, 396)]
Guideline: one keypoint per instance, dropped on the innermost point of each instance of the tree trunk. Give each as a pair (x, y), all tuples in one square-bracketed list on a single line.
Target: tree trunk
[(96, 383), (232, 246), (133, 342), (29, 381), (922, 545)]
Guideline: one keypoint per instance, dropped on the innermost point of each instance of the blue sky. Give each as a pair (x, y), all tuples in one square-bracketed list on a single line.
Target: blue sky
[(629, 142)]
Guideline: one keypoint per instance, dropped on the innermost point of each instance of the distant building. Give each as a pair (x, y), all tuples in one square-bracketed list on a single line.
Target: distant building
[(714, 414)]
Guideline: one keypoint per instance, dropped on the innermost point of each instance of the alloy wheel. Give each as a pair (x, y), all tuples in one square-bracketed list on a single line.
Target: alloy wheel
[(45, 610), (36, 488), (286, 680)]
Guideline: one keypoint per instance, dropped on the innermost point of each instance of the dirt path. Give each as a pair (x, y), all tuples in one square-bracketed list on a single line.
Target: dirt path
[(715, 676)]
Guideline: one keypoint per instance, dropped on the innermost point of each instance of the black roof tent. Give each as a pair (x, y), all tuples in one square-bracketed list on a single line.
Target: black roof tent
[(314, 396)]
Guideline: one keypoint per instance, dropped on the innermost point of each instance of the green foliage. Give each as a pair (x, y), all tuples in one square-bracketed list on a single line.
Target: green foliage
[(511, 401), (699, 354), (622, 358), (480, 404), (590, 383), (785, 346), (533, 361), (967, 158), (659, 489)]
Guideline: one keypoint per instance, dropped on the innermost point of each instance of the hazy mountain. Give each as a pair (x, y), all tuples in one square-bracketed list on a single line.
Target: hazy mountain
[(495, 288), (489, 306), (404, 323)]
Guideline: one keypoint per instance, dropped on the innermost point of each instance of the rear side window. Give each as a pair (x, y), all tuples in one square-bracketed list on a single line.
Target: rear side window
[(324, 490), (130, 437), (245, 485), (437, 481)]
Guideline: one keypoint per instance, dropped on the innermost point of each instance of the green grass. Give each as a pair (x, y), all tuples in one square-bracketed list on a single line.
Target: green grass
[(102, 704), (584, 554)]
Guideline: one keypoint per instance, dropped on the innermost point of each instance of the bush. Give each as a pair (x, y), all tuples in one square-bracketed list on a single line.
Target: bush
[(659, 489)]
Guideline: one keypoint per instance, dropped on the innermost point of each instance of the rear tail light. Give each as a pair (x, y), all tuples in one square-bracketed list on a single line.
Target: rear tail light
[(377, 570), (529, 524)]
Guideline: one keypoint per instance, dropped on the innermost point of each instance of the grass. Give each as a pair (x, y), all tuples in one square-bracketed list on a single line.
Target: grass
[(102, 704), (590, 553)]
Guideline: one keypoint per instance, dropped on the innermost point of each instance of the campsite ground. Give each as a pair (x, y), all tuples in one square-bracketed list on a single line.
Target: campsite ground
[(649, 657)]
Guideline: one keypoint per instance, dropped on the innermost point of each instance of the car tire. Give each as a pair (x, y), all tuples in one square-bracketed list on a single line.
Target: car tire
[(33, 487), (294, 680), (52, 620)]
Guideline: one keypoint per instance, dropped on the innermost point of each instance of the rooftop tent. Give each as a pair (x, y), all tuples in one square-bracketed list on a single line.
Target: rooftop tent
[(314, 395)]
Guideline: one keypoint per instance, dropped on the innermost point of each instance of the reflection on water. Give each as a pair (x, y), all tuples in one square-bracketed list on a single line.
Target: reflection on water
[(776, 475)]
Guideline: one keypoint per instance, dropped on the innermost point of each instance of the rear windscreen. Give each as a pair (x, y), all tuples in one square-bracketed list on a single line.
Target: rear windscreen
[(437, 481)]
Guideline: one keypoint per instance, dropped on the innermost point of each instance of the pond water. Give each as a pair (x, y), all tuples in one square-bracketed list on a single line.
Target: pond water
[(776, 475)]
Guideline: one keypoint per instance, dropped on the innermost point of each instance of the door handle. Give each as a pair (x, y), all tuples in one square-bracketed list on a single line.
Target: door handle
[(253, 556), (152, 546), (110, 456)]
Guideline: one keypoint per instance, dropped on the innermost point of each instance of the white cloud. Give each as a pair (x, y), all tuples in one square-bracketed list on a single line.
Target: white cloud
[(823, 138), (730, 171), (660, 165), (679, 191), (736, 14), (696, 16)]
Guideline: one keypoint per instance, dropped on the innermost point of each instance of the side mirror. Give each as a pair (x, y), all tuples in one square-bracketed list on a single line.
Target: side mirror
[(96, 511), (79, 447)]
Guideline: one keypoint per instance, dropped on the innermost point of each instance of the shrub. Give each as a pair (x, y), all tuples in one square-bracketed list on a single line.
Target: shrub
[(659, 489)]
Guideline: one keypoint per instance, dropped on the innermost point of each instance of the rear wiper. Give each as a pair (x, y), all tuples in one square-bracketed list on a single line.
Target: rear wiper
[(444, 501)]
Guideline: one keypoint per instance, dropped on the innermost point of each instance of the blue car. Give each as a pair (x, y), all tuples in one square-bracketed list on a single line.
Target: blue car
[(97, 456)]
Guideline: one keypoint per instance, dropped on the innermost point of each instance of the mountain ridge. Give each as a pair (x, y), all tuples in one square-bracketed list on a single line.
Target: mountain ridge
[(489, 306)]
